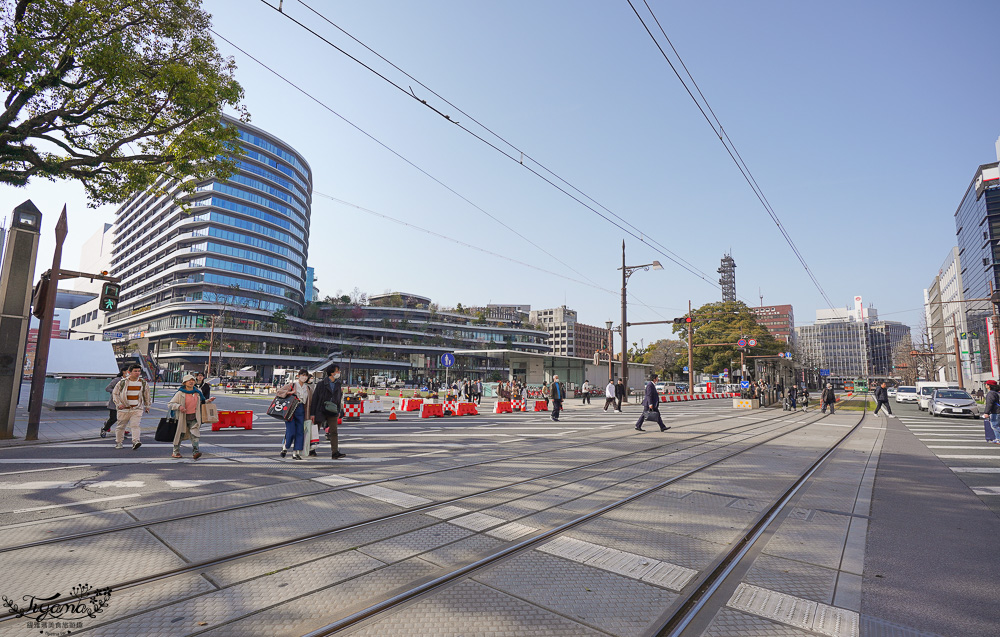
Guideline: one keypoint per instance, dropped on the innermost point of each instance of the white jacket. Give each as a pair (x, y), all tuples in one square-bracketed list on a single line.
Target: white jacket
[(609, 391)]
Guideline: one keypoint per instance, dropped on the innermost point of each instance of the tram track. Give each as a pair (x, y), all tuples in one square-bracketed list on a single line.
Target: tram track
[(748, 429)]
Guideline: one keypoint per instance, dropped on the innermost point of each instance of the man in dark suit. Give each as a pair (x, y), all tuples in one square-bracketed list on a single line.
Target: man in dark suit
[(651, 406), (620, 394)]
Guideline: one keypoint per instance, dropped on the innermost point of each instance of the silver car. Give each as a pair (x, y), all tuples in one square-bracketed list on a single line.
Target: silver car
[(952, 402)]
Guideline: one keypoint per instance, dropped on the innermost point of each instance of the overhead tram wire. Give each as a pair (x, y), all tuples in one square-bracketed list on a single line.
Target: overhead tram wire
[(727, 144), (521, 151), (627, 228), (421, 170)]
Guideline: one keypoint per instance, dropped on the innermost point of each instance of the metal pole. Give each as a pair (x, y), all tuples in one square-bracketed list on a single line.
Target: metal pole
[(624, 324), (45, 334), (690, 353), (611, 356), (211, 342), (958, 352)]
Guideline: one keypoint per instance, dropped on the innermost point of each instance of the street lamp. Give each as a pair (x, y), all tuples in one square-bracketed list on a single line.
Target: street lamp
[(627, 271)]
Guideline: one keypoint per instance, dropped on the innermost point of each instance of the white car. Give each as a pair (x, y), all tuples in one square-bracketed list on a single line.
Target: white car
[(701, 388), (953, 402), (891, 392), (906, 394)]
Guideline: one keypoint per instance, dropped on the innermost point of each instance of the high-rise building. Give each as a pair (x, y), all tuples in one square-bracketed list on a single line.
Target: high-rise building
[(86, 321), (778, 319), (851, 343), (977, 228), (945, 316), (232, 247), (728, 278), (567, 337)]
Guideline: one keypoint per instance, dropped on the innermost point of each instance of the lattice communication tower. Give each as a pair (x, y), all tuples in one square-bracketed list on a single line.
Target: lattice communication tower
[(728, 278)]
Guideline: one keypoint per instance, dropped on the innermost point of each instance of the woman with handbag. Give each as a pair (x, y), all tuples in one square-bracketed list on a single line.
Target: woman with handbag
[(327, 403), (295, 425), (186, 406)]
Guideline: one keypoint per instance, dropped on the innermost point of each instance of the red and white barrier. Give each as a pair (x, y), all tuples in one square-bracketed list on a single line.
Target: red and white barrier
[(679, 398), (353, 411)]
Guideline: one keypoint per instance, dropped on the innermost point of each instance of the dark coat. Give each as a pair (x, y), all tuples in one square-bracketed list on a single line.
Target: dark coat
[(829, 396), (651, 400), (992, 402), (881, 394), (619, 390), (206, 390), (557, 391), (327, 391)]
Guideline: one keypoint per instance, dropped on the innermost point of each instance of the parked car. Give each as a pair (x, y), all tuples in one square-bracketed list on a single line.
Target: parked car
[(953, 402), (701, 388), (906, 394)]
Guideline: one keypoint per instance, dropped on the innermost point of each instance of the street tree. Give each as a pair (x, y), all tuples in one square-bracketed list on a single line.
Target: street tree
[(726, 322), (114, 94), (667, 356)]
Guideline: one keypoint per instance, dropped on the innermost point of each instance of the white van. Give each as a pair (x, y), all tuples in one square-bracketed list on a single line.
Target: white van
[(925, 391)]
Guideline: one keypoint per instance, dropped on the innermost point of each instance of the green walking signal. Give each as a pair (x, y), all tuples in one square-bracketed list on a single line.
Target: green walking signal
[(109, 297)]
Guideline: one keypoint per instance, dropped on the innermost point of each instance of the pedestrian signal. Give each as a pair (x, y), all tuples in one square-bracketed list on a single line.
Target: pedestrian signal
[(109, 297)]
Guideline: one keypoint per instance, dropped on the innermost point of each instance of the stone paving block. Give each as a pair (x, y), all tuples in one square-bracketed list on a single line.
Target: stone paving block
[(795, 578), (818, 541), (212, 502), (237, 601), (214, 535), (445, 512), (254, 566), (732, 623), (477, 521), (468, 609), (669, 547), (714, 524), (407, 545), (598, 598), (511, 531), (100, 560), (16, 534), (392, 496), (464, 552)]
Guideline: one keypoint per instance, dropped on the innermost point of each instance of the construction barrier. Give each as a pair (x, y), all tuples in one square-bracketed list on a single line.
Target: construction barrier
[(517, 405), (234, 419), (411, 404), (467, 409), (502, 407), (678, 398), (432, 409), (372, 405), (353, 410), (541, 405), (451, 407)]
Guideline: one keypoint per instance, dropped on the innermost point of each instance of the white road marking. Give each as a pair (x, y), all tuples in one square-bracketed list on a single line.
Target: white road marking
[(966, 457), (334, 480), (986, 490), (75, 504), (79, 466), (183, 484), (391, 496), (975, 469), (980, 447)]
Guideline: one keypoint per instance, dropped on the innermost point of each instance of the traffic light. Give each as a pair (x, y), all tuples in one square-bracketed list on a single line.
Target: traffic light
[(39, 295), (682, 320), (109, 297)]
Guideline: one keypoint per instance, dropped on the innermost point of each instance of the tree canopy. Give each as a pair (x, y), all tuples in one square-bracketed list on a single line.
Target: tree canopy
[(726, 322), (114, 94)]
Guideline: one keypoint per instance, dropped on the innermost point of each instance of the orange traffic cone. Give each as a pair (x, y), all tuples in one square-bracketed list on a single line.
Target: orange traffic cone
[(392, 412), (386, 391)]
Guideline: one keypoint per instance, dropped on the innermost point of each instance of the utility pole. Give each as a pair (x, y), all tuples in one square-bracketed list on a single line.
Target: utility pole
[(45, 334), (624, 323), (690, 353), (211, 342), (958, 352)]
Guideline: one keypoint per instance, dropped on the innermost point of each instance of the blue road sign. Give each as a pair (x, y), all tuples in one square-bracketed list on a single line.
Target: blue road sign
[(824, 372), (115, 334), (725, 371), (744, 384), (788, 354), (447, 360), (685, 370)]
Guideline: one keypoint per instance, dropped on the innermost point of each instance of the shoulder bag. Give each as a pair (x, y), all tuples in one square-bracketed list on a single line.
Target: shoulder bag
[(283, 408)]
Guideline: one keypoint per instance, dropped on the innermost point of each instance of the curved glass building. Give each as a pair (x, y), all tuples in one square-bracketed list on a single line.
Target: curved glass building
[(239, 245)]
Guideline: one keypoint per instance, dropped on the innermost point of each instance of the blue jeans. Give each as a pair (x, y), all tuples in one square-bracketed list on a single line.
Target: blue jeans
[(294, 429), (995, 423)]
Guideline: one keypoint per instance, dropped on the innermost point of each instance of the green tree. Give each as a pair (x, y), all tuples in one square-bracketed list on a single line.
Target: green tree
[(726, 322), (114, 94)]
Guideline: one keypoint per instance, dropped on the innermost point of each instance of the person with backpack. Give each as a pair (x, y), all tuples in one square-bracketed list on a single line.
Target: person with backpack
[(132, 400), (327, 405)]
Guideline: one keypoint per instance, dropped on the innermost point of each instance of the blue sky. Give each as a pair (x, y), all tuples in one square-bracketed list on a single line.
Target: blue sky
[(862, 122)]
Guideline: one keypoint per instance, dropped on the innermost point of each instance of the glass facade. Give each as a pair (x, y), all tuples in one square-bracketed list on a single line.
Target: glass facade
[(244, 245), (977, 231)]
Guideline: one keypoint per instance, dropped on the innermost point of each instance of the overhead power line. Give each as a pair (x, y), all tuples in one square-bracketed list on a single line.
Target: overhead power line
[(723, 136), (325, 106), (515, 153)]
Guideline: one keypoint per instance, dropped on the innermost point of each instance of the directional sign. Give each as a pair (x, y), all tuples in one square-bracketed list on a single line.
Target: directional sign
[(742, 342), (447, 360), (744, 384), (788, 354), (824, 372), (685, 369), (752, 342)]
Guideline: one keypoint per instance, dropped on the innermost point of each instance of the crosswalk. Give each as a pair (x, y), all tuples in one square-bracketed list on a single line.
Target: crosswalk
[(961, 444)]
